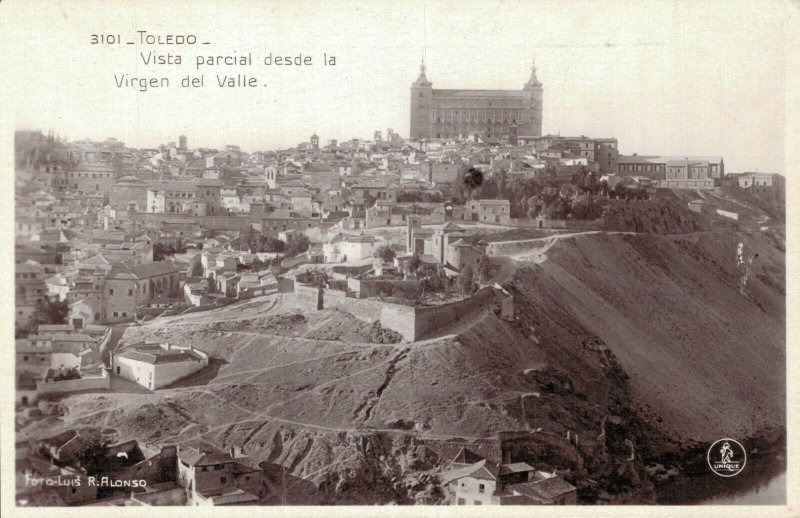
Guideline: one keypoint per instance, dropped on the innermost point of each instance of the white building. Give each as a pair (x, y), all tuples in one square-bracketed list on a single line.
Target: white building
[(358, 247), (157, 365)]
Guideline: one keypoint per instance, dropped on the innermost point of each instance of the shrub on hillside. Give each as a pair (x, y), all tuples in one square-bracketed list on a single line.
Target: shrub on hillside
[(652, 218)]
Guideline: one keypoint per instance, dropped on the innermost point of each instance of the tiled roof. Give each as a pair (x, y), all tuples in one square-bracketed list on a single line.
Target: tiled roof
[(546, 489), (143, 271), (157, 355), (515, 467), (484, 470)]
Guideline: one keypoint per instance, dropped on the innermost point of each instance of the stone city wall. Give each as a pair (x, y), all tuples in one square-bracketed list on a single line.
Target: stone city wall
[(410, 321), (365, 288), (429, 319)]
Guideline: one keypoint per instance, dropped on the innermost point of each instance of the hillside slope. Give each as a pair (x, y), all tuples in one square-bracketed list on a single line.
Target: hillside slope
[(705, 360), (617, 337)]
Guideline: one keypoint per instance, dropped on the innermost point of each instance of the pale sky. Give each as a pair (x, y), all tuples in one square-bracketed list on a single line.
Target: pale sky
[(691, 78)]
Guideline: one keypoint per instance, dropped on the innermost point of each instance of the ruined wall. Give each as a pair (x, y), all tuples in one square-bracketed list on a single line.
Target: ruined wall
[(365, 288), (399, 318), (429, 319), (411, 322), (334, 298), (307, 296), (369, 310)]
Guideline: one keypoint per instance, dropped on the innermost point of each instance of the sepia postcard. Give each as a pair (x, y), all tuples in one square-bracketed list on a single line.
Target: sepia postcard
[(424, 254)]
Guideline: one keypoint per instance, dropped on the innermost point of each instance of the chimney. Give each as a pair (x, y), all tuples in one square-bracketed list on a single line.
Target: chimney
[(233, 452)]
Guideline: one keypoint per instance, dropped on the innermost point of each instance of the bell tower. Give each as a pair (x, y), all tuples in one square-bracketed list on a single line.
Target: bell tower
[(531, 123), (421, 104)]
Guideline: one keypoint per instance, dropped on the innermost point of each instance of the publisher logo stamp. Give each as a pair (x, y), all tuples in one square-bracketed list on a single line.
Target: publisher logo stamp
[(726, 457)]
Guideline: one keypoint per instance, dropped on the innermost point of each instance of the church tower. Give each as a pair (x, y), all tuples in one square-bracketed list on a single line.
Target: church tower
[(421, 104), (531, 124)]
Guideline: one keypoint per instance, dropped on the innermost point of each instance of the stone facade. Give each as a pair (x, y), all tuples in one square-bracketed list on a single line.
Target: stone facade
[(491, 113)]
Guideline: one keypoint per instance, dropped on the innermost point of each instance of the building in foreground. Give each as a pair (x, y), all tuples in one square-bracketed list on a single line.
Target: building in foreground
[(471, 479), (154, 366)]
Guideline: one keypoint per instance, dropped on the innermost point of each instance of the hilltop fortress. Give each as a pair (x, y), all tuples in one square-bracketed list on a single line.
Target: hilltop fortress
[(489, 113)]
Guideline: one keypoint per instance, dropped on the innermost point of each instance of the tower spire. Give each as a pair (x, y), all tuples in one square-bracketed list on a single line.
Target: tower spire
[(422, 80), (533, 81)]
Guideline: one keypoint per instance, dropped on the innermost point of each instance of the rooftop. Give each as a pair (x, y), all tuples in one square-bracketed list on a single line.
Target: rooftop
[(155, 354)]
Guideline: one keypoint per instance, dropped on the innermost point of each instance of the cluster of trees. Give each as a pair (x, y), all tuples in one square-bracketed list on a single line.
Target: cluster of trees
[(161, 250), (297, 246), (659, 217), (550, 197), (50, 312), (420, 196), (262, 243), (69, 374), (622, 192), (313, 277), (465, 283), (386, 253), (94, 458), (267, 244)]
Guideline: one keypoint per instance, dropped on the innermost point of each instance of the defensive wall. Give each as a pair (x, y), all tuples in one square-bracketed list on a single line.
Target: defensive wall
[(412, 322), (364, 288)]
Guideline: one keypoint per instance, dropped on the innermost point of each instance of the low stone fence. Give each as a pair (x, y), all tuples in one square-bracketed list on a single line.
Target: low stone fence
[(102, 382), (257, 291), (504, 248), (365, 288)]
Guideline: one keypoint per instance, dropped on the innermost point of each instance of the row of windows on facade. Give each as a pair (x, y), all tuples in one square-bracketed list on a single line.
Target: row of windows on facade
[(423, 118), (93, 175), (472, 114), (640, 167)]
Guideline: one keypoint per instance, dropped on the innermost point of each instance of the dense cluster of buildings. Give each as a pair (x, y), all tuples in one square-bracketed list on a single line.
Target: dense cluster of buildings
[(111, 234), (49, 473)]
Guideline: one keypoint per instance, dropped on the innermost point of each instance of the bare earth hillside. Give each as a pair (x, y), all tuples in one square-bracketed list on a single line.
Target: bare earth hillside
[(638, 337)]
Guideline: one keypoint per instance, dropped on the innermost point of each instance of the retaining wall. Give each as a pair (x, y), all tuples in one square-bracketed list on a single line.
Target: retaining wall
[(65, 386), (429, 319), (503, 248), (365, 288), (308, 296)]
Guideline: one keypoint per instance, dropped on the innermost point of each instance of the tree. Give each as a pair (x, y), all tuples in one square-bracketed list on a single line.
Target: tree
[(534, 205), (483, 269), (414, 263), (473, 178), (211, 284), (298, 245), (386, 253), (94, 458), (196, 268), (50, 312), (465, 280), (161, 250), (267, 244)]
